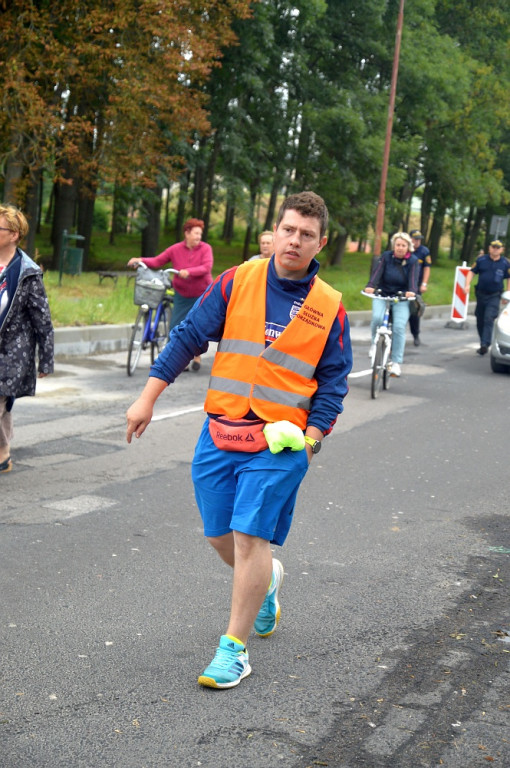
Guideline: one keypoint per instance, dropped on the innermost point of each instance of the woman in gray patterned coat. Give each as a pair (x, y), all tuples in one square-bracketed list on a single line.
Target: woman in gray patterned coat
[(25, 324)]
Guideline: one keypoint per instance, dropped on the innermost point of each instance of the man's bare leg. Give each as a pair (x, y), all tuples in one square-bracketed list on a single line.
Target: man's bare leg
[(253, 562), (252, 576), (224, 546)]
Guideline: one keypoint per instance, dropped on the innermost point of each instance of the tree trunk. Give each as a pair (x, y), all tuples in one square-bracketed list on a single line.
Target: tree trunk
[(40, 203), (303, 155), (249, 228), (32, 205), (66, 195), (14, 169), (270, 215), (85, 219), (115, 214), (426, 208), (184, 180), (48, 217), (228, 222), (473, 236), (166, 225), (337, 250), (211, 172), (471, 232), (406, 195), (453, 221), (467, 229), (120, 211), (436, 231), (150, 234), (199, 180)]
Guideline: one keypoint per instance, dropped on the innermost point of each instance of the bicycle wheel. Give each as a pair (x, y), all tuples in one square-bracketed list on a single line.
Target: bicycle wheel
[(377, 369), (136, 343), (386, 369), (161, 332)]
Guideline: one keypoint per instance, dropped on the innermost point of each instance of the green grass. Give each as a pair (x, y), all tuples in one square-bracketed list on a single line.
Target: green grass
[(81, 300), (353, 275)]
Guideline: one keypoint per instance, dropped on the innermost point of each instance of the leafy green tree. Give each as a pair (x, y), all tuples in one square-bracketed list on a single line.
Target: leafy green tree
[(96, 89)]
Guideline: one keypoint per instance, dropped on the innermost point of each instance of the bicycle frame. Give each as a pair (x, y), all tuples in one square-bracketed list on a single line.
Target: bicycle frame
[(381, 356), (151, 328)]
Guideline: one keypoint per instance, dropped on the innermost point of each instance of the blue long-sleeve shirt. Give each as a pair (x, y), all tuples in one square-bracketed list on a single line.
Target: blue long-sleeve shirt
[(206, 320)]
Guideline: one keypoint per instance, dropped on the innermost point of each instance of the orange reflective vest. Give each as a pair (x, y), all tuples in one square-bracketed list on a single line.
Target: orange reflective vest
[(276, 382)]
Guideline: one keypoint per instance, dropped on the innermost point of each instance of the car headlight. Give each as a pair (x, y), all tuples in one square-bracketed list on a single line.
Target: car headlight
[(504, 320)]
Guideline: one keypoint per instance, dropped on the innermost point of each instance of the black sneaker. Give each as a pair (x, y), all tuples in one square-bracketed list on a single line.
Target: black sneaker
[(6, 465), (483, 350), (417, 341)]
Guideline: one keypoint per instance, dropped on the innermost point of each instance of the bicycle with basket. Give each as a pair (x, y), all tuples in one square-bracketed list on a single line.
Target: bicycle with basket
[(151, 328), (381, 356)]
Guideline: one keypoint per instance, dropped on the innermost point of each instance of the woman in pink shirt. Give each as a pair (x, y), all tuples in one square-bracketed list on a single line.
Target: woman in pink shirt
[(194, 259)]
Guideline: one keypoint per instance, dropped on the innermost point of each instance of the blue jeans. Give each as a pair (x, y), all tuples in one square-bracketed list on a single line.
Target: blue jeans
[(400, 313)]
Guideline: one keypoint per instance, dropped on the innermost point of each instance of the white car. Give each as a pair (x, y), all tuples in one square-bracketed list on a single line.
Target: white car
[(500, 344)]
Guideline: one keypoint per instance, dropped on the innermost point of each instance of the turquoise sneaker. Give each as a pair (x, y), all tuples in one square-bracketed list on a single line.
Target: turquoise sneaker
[(228, 667), (269, 614)]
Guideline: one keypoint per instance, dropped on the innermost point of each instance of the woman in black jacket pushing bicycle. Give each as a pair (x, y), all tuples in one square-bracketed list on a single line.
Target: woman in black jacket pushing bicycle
[(396, 271)]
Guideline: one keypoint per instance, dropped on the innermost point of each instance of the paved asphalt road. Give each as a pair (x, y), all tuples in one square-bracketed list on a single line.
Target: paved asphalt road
[(393, 649)]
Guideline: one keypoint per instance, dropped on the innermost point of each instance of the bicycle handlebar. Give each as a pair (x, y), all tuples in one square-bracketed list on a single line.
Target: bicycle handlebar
[(398, 297), (169, 269)]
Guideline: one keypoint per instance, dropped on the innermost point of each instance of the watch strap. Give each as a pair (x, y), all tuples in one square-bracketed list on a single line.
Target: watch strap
[(315, 444)]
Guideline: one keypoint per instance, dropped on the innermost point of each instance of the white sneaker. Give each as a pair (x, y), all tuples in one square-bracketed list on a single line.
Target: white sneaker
[(395, 369), (371, 351)]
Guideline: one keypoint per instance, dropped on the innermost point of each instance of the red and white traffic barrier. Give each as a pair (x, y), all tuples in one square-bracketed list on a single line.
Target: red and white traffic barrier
[(460, 299)]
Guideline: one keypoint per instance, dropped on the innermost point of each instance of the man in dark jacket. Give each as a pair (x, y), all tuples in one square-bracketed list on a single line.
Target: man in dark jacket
[(424, 262), (25, 323), (492, 269)]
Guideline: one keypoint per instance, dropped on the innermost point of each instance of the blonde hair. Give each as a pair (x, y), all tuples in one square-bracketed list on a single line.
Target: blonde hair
[(15, 219), (264, 234), (402, 236)]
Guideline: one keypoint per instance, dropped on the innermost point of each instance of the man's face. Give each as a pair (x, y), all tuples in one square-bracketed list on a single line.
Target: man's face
[(495, 251), (416, 242), (296, 241), (266, 246), (193, 236)]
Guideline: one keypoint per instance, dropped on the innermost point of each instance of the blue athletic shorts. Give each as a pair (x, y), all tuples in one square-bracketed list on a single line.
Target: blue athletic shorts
[(253, 493)]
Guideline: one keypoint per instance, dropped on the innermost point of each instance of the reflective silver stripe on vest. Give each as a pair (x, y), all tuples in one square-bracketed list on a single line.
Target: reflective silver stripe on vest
[(231, 386), (251, 348), (289, 362), (272, 395)]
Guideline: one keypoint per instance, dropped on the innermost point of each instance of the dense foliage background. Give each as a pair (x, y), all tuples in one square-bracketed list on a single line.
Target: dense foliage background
[(132, 115)]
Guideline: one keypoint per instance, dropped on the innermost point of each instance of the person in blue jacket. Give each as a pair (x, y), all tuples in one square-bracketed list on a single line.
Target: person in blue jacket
[(247, 498), (396, 271), (425, 263), (492, 269)]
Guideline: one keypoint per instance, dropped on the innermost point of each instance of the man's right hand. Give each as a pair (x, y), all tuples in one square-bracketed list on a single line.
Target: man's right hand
[(138, 416)]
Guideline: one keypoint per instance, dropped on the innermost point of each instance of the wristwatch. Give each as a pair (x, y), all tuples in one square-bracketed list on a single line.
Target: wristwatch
[(315, 444)]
